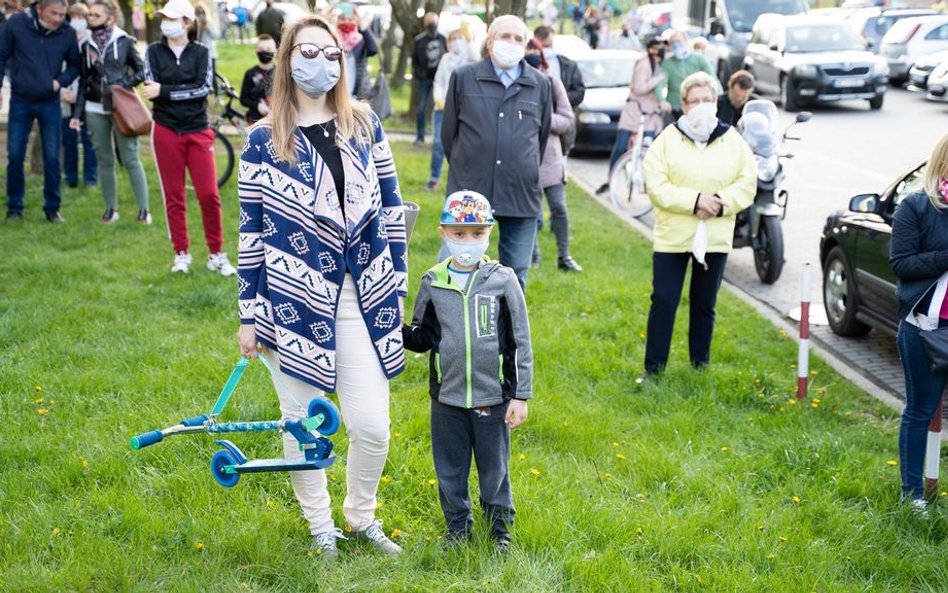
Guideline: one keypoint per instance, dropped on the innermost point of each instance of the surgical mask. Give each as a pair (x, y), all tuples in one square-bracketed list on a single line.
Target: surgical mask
[(703, 118), (680, 50), (533, 60), (507, 55), (466, 254), (550, 53), (172, 29), (314, 77), (459, 47), (265, 57), (79, 25)]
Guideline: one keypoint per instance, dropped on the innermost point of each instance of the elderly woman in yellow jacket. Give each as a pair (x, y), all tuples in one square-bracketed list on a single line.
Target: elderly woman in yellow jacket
[(700, 173)]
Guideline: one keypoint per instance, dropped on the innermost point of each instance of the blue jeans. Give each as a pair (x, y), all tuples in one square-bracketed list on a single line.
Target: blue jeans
[(618, 149), (515, 246), (19, 123), (424, 97), (437, 149), (90, 165), (923, 390)]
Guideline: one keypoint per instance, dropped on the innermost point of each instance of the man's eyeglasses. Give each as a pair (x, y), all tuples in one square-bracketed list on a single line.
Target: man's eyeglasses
[(699, 101), (311, 50)]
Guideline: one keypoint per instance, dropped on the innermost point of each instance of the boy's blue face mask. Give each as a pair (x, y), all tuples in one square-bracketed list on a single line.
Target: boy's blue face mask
[(467, 254)]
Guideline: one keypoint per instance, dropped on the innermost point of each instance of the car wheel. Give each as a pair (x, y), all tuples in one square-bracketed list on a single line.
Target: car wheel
[(839, 296), (875, 103), (786, 93)]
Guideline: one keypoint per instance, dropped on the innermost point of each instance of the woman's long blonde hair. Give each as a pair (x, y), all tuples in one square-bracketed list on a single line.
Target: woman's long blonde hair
[(353, 119), (937, 170)]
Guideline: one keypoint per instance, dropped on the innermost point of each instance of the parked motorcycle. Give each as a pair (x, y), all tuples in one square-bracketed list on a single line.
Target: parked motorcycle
[(758, 226)]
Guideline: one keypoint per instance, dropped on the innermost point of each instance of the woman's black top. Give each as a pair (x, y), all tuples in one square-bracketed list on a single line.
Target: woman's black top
[(329, 152)]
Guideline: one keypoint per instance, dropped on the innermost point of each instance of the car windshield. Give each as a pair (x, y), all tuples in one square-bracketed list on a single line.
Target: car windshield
[(606, 72), (815, 38), (743, 13)]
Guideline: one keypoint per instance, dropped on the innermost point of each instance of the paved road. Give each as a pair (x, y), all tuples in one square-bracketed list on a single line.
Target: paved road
[(845, 150)]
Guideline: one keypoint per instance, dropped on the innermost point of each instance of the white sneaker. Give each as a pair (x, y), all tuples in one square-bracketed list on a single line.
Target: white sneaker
[(920, 507), (375, 536), (218, 262), (325, 542), (182, 262)]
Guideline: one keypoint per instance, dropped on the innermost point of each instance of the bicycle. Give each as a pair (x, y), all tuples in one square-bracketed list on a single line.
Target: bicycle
[(228, 123), (627, 178)]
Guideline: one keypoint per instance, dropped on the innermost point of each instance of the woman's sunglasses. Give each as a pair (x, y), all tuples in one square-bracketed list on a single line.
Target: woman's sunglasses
[(311, 50)]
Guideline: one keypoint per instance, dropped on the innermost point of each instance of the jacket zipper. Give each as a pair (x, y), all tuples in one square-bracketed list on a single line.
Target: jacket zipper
[(467, 341)]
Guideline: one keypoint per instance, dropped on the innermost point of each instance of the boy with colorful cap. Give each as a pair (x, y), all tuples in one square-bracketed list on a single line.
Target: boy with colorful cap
[(471, 314)]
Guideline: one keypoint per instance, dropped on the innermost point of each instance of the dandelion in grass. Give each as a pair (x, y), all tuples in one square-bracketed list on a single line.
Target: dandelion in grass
[(56, 531), (815, 405), (771, 556), (620, 456), (38, 388), (760, 528), (795, 499), (534, 472), (42, 411), (615, 444), (892, 463), (271, 504), (641, 335), (84, 462), (396, 434), (385, 479), (396, 533), (199, 546), (817, 400), (432, 482), (943, 493), (782, 538), (724, 449), (378, 505), (814, 373), (38, 400), (522, 457), (638, 531)]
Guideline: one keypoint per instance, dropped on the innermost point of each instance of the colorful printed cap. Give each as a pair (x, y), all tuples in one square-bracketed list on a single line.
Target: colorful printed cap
[(466, 208)]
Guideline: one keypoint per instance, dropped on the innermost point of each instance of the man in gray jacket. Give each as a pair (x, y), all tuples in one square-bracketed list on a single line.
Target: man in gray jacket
[(495, 128)]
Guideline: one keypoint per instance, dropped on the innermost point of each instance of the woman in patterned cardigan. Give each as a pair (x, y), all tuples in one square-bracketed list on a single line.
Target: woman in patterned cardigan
[(323, 267)]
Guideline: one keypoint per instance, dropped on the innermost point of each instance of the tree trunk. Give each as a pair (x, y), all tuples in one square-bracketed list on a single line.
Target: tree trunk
[(388, 48), (514, 7), (405, 13)]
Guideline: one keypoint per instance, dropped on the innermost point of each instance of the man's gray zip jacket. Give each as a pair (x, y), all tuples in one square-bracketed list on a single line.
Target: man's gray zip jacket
[(479, 337), (494, 137)]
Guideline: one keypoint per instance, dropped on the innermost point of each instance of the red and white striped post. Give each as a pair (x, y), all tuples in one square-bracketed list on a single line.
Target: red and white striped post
[(933, 453), (803, 352)]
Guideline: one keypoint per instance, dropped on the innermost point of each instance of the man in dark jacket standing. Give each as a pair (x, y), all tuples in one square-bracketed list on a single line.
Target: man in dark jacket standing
[(270, 22), (495, 128), (561, 66), (429, 47), (35, 44)]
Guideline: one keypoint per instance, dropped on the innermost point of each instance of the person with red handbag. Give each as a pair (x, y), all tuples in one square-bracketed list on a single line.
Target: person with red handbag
[(108, 58), (178, 78)]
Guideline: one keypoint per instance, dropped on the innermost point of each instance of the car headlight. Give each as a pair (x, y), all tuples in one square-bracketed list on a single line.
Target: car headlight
[(593, 117), (880, 69), (806, 71)]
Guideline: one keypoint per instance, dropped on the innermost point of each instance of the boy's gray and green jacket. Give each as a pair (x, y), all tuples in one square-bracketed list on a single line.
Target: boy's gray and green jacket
[(479, 337)]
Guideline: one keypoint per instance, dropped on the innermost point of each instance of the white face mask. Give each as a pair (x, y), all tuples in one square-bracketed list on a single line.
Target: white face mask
[(467, 254), (459, 47), (173, 29), (507, 55), (703, 118), (79, 25)]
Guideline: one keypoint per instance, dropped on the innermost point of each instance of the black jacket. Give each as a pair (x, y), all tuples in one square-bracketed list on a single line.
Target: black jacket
[(918, 251), (36, 56), (727, 112), (572, 79), (424, 59), (119, 65), (257, 85), (185, 85), (270, 21), (494, 137)]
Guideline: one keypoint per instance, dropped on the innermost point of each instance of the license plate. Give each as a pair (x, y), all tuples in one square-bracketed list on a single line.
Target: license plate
[(848, 84)]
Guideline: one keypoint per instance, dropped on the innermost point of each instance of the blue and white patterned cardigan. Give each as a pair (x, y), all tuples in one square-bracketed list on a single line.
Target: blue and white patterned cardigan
[(296, 244)]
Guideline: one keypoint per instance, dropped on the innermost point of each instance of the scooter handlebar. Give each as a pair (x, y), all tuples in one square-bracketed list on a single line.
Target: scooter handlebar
[(144, 440)]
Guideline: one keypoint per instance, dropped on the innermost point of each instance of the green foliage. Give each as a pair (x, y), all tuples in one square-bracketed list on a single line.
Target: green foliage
[(701, 481)]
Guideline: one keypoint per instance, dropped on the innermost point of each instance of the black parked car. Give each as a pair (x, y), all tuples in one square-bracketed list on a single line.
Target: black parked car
[(858, 284), (807, 60)]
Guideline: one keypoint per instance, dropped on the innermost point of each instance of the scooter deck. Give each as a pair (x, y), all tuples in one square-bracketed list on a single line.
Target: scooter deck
[(281, 465)]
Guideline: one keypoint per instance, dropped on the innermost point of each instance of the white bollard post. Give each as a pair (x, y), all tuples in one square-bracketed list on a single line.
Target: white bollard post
[(803, 352)]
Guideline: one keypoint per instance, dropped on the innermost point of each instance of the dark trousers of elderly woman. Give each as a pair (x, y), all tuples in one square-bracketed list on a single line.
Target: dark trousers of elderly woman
[(923, 390), (668, 277)]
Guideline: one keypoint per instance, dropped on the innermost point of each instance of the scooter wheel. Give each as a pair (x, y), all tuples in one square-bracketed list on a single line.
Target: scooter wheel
[(330, 414), (222, 459)]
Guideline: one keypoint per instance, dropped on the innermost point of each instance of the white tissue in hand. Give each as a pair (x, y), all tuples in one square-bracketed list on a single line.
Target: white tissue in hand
[(699, 245)]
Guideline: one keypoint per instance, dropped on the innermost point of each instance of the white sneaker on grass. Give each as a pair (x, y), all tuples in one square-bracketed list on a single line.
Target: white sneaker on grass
[(218, 262), (182, 262), (375, 536), (325, 542)]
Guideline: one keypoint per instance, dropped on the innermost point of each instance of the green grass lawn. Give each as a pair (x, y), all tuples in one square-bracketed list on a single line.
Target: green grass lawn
[(703, 481)]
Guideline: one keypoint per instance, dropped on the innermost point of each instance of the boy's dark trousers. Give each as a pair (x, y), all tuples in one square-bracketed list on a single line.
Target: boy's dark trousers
[(456, 434)]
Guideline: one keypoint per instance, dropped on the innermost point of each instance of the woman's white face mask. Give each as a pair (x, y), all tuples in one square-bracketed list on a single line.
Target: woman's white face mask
[(173, 29)]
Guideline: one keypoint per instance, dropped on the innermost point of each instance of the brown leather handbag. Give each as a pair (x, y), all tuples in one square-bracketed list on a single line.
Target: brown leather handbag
[(131, 116)]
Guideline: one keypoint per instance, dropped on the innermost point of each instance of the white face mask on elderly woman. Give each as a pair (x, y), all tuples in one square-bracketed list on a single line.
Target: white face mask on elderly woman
[(703, 118)]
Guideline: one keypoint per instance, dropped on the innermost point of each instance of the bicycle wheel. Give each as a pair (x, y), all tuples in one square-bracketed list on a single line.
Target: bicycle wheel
[(223, 157), (627, 186)]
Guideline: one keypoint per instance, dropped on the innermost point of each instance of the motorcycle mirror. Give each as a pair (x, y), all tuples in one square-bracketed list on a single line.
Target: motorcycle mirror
[(803, 116), (864, 203)]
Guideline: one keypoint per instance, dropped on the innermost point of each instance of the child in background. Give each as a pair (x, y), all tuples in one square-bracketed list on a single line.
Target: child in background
[(471, 314), (78, 14), (258, 81)]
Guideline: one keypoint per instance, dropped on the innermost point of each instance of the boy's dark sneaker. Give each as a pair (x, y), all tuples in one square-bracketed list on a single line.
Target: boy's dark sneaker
[(456, 538), (14, 215), (54, 217), (568, 264), (501, 543), (602, 189)]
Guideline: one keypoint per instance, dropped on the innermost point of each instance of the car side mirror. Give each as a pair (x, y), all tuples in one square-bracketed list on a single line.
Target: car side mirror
[(870, 44), (803, 116), (864, 203), (773, 47), (715, 27)]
